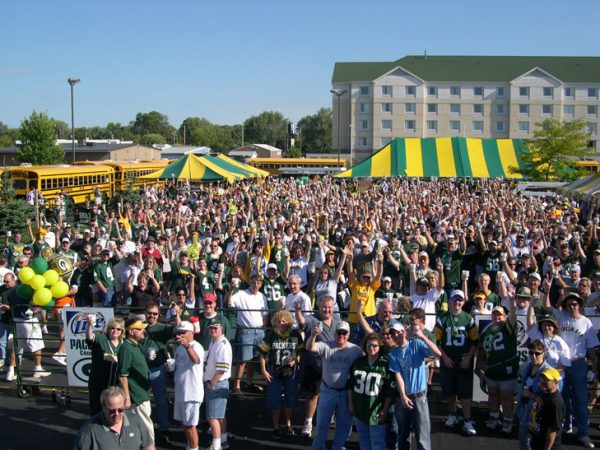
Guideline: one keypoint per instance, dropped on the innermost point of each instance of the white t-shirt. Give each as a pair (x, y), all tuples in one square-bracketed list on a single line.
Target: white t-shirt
[(300, 267), (219, 357), (578, 334), (427, 303), (188, 375), (557, 350), (251, 308), (290, 303)]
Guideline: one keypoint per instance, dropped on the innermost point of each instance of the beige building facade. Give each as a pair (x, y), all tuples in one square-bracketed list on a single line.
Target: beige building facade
[(469, 96)]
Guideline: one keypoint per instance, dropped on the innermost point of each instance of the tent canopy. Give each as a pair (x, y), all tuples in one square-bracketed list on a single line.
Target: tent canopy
[(443, 157), (588, 185), (206, 168)]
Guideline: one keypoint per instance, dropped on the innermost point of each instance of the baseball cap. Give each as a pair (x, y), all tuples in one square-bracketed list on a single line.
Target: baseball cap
[(209, 297), (184, 327), (214, 322), (535, 275), (384, 279), (524, 292), (596, 274), (499, 309), (551, 374), (457, 295), (397, 326), (343, 326), (135, 324), (423, 254), (575, 268), (479, 295), (271, 266), (65, 239), (105, 250), (150, 239), (423, 281)]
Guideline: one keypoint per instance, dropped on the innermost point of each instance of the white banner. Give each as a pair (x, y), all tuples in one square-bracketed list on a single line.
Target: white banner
[(79, 356)]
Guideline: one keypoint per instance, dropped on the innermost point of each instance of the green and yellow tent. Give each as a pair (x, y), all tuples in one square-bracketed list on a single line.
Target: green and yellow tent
[(203, 168), (443, 157), (589, 185), (257, 172)]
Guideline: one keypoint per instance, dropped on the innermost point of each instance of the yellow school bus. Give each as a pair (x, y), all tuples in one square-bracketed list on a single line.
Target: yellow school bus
[(127, 170), (299, 166)]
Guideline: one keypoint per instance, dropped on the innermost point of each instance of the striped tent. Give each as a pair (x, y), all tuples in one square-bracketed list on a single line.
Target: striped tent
[(258, 172), (203, 168), (443, 157), (588, 185)]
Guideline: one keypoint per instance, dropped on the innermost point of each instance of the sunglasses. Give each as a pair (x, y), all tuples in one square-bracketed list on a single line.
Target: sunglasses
[(572, 305), (387, 335), (181, 295), (116, 411), (341, 333), (372, 345), (535, 353), (116, 329), (152, 314)]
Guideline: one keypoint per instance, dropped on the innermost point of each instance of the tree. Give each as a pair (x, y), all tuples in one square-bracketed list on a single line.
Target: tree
[(553, 148), (153, 138), (314, 132), (6, 136), (38, 140), (152, 122), (14, 212), (294, 152), (269, 127)]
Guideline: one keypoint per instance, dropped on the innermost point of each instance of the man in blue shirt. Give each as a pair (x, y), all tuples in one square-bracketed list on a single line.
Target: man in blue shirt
[(407, 361)]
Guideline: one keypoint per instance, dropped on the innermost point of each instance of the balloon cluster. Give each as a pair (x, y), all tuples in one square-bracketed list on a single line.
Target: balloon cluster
[(40, 284)]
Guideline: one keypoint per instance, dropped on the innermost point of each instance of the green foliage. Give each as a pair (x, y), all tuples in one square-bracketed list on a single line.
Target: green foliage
[(294, 152), (554, 147), (13, 212), (38, 139), (201, 132), (269, 127), (153, 138), (131, 195), (7, 136), (152, 122), (314, 132)]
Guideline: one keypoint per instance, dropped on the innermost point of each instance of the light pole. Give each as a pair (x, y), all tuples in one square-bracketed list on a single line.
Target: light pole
[(73, 81), (338, 93)]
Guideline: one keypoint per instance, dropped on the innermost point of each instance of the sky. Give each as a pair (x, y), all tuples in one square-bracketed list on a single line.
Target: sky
[(227, 60)]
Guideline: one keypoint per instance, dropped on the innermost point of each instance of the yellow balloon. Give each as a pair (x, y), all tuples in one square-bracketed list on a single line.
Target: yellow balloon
[(59, 289), (51, 277), (37, 282), (26, 274), (42, 297)]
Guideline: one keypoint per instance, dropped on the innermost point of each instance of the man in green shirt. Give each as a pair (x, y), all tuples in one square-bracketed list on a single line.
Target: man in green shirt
[(274, 288), (105, 279), (134, 373), (15, 248)]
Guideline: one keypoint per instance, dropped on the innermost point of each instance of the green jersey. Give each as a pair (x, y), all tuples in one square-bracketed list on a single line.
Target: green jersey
[(278, 257), (277, 347), (133, 365), (15, 249), (370, 385), (456, 334), (273, 290), (499, 345), (452, 261), (205, 283), (103, 371), (154, 346), (103, 271)]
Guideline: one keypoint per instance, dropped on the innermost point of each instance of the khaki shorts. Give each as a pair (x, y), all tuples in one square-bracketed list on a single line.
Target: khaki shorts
[(29, 335)]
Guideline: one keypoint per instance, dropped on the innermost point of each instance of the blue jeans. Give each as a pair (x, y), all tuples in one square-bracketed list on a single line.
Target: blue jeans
[(158, 381), (575, 394), (107, 297), (418, 417), (288, 387), (391, 429), (4, 332), (523, 411), (370, 437), (331, 400)]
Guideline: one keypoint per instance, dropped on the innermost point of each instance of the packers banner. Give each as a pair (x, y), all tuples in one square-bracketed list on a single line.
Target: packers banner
[(443, 157)]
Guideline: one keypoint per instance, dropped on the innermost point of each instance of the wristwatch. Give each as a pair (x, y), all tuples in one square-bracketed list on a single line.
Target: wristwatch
[(187, 346)]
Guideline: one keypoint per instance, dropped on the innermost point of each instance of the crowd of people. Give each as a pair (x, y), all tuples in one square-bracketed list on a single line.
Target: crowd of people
[(358, 293)]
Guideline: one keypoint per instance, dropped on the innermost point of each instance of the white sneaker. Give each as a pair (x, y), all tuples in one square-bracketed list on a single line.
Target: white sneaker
[(10, 375), (507, 427), (307, 429), (586, 442), (451, 421), (41, 373), (492, 423), (469, 428), (60, 358)]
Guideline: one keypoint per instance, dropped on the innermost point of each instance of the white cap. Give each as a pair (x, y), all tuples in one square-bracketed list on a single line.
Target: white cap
[(271, 266), (184, 327)]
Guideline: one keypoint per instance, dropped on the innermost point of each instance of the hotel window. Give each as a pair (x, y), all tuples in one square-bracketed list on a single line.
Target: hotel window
[(432, 91), (592, 110), (386, 125), (364, 108), (386, 108), (410, 108), (364, 91), (524, 110), (410, 91), (385, 141), (500, 126), (455, 108), (478, 126), (523, 92), (569, 110), (478, 91), (500, 92), (591, 127), (432, 108), (569, 92), (432, 125), (363, 124), (548, 92), (455, 91), (524, 127), (386, 91), (592, 92), (454, 126), (547, 110), (500, 109), (410, 125), (363, 142), (478, 108)]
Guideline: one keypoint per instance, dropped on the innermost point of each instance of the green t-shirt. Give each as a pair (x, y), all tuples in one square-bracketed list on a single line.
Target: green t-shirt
[(133, 365), (205, 283), (103, 271), (456, 334), (370, 385), (278, 257), (499, 345), (157, 337), (15, 249), (273, 289), (452, 262), (104, 369)]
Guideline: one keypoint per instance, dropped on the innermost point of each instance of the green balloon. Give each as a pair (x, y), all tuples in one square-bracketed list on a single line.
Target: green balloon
[(50, 305), (39, 265), (24, 291)]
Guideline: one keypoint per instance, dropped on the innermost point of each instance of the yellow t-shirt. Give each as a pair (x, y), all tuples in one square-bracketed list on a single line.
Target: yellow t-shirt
[(364, 293)]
